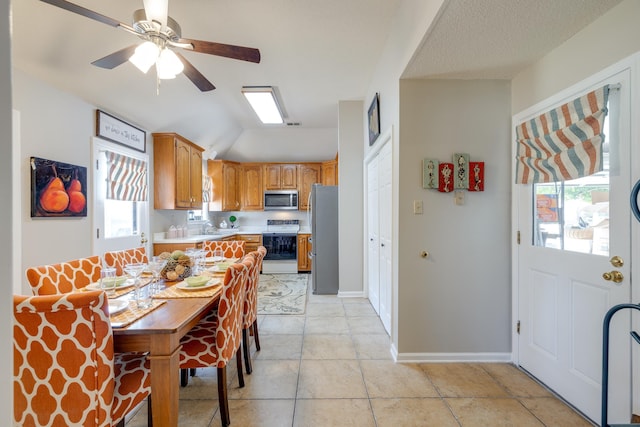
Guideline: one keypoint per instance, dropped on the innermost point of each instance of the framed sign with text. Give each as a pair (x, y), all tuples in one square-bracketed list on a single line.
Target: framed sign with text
[(120, 132)]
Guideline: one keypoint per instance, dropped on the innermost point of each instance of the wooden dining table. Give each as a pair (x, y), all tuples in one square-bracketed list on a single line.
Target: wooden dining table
[(159, 333)]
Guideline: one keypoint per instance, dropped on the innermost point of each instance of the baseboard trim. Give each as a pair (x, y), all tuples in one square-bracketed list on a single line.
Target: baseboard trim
[(351, 294), (452, 357)]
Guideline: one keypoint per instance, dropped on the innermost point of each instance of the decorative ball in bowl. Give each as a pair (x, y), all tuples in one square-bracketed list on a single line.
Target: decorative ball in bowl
[(178, 266)]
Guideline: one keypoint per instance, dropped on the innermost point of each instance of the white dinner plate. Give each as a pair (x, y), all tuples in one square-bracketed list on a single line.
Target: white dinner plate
[(185, 286), (96, 286), (117, 306), (212, 259)]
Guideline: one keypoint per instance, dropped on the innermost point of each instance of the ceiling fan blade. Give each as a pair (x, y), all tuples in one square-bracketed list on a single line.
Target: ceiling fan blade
[(195, 76), (116, 58), (227, 50), (72, 7)]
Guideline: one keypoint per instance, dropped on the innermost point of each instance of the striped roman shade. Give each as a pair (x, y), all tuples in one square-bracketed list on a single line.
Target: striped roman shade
[(126, 178), (564, 143)]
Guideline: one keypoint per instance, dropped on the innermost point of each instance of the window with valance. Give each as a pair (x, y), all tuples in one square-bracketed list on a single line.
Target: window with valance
[(564, 143), (126, 178)]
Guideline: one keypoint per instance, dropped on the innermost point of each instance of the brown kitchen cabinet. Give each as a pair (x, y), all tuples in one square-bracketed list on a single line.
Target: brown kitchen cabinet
[(330, 172), (225, 185), (280, 176), (252, 241), (304, 247), (251, 187), (177, 172), (158, 248), (308, 174)]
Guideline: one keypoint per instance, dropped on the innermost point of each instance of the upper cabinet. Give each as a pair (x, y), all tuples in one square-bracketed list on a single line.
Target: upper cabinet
[(251, 187), (308, 174), (280, 176), (330, 172), (177, 177), (225, 185)]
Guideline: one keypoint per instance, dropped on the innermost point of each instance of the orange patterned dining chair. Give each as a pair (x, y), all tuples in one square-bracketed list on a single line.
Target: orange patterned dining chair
[(250, 308), (64, 277), (230, 248), (118, 259), (215, 339), (65, 371)]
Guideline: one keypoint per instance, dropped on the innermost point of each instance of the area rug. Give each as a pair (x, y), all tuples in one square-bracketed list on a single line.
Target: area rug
[(282, 293)]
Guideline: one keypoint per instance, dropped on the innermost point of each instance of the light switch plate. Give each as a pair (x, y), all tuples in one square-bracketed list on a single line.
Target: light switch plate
[(417, 207)]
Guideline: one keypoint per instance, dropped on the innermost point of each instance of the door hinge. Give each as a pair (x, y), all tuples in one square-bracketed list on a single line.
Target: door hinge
[(518, 327), (518, 237), (97, 233)]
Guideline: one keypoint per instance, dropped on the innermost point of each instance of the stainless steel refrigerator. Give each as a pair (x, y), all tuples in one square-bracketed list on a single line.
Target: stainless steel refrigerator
[(324, 239)]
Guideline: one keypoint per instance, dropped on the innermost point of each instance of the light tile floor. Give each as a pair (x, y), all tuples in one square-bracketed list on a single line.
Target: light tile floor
[(332, 367)]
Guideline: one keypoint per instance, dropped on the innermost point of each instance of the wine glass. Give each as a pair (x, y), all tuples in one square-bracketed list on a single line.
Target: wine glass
[(156, 265), (134, 270)]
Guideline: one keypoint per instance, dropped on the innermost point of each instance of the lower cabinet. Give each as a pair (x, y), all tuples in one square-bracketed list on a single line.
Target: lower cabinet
[(158, 248), (304, 247), (252, 241)]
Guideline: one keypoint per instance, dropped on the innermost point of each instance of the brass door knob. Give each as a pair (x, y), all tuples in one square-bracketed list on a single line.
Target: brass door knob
[(143, 239), (613, 276), (616, 261)]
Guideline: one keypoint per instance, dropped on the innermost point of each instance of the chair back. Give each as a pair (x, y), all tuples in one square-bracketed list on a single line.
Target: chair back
[(62, 360), (118, 259), (229, 330), (230, 248), (64, 277), (250, 309)]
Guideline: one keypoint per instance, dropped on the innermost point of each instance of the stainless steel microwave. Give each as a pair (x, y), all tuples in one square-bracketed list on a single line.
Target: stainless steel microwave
[(280, 200)]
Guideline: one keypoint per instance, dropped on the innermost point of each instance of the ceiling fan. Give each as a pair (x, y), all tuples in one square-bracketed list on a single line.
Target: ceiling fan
[(161, 35)]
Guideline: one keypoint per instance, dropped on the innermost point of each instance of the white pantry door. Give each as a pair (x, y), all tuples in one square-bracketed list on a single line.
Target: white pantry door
[(562, 294)]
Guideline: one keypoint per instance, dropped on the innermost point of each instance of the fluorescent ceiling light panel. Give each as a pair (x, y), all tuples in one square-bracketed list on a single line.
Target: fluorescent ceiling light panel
[(264, 103)]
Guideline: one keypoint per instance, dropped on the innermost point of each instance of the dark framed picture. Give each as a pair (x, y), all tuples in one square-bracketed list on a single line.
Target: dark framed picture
[(120, 132), (374, 119), (57, 189)]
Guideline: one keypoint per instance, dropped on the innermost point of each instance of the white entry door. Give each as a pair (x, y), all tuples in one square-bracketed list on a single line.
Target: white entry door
[(569, 234), (117, 224)]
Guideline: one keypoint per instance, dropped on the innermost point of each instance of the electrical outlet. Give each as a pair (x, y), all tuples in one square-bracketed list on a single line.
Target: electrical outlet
[(417, 207), (459, 198)]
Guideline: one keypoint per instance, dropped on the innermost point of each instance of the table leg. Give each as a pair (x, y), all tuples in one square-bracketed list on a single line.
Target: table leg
[(165, 388)]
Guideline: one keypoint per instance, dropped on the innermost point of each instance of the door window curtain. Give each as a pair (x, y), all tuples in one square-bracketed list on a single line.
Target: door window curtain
[(564, 143), (126, 178)]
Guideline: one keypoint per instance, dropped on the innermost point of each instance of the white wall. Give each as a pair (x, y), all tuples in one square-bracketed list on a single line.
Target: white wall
[(350, 199), (56, 126), (6, 250), (612, 37), (455, 303), (409, 29)]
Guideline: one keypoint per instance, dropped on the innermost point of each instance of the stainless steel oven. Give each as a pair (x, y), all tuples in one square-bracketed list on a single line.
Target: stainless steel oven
[(281, 241)]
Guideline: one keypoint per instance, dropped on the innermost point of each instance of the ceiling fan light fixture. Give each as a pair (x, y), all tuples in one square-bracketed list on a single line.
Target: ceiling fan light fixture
[(264, 103), (145, 56), (168, 64)]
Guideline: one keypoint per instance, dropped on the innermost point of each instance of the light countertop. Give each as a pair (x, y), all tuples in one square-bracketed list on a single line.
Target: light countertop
[(218, 235)]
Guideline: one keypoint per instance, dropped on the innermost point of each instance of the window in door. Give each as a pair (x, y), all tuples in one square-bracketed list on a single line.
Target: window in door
[(574, 215), (121, 206)]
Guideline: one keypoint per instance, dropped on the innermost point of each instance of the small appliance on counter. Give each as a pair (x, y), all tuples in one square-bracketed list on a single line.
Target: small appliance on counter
[(281, 242)]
